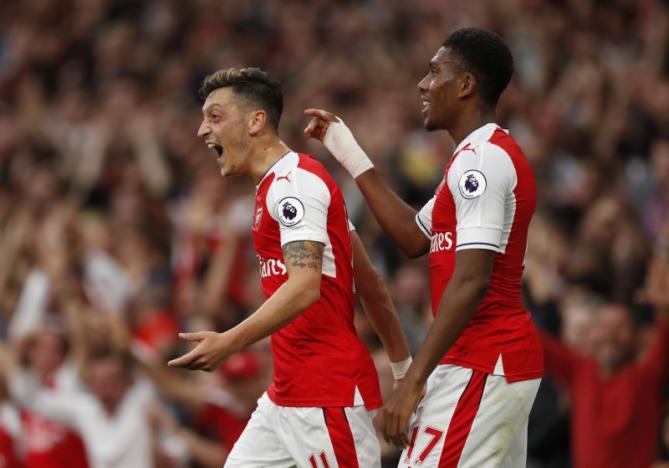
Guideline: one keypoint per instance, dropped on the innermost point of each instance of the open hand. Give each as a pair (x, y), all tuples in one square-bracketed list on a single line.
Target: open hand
[(212, 348), (398, 409)]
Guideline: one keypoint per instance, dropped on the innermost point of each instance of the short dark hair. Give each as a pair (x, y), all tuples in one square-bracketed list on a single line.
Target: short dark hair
[(254, 85), (484, 55)]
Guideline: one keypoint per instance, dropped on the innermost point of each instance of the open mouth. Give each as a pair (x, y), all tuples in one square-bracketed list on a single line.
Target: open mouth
[(425, 104), (218, 149)]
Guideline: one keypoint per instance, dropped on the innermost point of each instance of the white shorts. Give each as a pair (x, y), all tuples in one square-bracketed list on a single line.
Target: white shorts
[(282, 436), (470, 419)]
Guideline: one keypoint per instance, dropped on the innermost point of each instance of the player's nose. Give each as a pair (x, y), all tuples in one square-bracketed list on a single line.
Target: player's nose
[(423, 84), (203, 130)]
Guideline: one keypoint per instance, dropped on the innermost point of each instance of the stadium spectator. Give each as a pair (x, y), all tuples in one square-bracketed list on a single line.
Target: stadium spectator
[(111, 415), (616, 391)]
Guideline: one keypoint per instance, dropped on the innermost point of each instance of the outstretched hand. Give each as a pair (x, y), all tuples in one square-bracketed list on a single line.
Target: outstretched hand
[(319, 124), (212, 349)]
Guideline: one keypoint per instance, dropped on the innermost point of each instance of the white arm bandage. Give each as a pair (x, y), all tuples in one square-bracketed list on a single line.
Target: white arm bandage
[(401, 368), (341, 143)]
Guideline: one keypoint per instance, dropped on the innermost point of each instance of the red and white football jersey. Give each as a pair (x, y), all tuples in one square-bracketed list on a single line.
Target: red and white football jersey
[(50, 444), (486, 201), (319, 360)]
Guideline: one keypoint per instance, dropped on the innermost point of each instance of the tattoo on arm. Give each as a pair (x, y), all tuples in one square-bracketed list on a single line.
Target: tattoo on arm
[(303, 254)]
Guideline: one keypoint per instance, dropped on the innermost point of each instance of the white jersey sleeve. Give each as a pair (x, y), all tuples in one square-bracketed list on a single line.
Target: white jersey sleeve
[(424, 217), (482, 185), (299, 202)]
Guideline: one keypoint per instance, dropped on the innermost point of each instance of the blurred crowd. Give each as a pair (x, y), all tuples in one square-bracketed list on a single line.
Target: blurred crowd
[(116, 230)]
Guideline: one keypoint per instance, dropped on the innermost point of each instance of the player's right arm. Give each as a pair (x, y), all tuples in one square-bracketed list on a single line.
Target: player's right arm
[(380, 309), (299, 204), (395, 216), (303, 260)]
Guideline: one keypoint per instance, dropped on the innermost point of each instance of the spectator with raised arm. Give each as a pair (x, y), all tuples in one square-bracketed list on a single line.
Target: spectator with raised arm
[(617, 394)]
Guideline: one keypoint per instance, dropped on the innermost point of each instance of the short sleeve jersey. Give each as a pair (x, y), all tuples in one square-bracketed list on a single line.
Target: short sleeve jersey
[(319, 360), (486, 201)]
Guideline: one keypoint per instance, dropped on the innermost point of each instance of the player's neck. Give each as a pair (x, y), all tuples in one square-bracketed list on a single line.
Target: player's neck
[(266, 154), (469, 121)]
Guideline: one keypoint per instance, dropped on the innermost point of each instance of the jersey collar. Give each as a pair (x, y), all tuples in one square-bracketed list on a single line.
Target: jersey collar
[(479, 135), (273, 167)]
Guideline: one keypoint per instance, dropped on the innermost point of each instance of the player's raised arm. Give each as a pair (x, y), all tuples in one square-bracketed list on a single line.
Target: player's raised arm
[(380, 309), (393, 214)]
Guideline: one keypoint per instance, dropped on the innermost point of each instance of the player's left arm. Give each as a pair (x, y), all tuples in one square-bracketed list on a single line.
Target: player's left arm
[(464, 293), (380, 309), (460, 300), (303, 260)]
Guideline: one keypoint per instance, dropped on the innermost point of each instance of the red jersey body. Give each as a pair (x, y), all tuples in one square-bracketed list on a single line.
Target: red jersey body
[(50, 444), (8, 458), (486, 201), (319, 361)]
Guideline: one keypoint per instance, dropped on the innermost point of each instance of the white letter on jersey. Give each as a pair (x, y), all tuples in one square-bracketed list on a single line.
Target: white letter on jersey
[(441, 241), (271, 267)]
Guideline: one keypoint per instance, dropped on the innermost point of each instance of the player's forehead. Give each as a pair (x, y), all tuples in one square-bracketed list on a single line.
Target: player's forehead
[(444, 57), (220, 98)]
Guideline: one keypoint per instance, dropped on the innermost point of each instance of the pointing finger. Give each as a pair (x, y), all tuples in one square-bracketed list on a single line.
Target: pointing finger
[(196, 336), (322, 114), (311, 126), (316, 129)]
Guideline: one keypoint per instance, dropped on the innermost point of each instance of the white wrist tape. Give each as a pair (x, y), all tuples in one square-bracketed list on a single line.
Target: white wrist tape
[(341, 143), (401, 368)]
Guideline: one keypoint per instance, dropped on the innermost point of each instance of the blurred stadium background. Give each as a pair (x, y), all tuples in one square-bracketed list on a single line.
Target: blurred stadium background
[(116, 230)]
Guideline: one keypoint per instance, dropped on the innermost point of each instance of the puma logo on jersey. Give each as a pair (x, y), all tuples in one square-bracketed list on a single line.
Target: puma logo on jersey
[(441, 241), (284, 177), (467, 147)]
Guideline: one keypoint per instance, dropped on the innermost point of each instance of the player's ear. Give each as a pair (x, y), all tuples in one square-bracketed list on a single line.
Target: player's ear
[(256, 121), (467, 85)]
